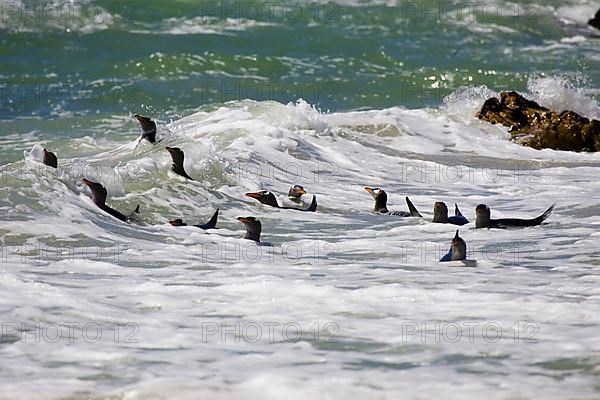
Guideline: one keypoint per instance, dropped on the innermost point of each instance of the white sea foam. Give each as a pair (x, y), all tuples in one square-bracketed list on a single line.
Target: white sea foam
[(359, 286), (564, 93), (580, 12), (70, 16)]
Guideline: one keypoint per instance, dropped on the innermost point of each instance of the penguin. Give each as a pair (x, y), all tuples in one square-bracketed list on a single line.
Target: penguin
[(440, 215), (211, 224), (253, 228), (483, 220), (177, 156), (99, 198), (381, 204), (458, 250), (148, 128), (268, 198), (458, 253)]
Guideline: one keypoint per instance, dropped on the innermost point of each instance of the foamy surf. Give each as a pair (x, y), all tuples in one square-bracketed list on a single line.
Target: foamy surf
[(343, 301), (341, 292)]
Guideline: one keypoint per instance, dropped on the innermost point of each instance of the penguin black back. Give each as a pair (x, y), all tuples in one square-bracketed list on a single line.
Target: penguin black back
[(484, 220), (50, 159)]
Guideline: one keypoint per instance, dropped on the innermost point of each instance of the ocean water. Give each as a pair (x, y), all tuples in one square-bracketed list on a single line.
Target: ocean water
[(334, 96)]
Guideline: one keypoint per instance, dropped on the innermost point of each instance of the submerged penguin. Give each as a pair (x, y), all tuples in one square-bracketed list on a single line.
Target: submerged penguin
[(99, 198), (50, 159), (148, 128), (211, 224), (268, 198), (440, 215), (483, 220), (380, 197), (178, 156), (253, 228)]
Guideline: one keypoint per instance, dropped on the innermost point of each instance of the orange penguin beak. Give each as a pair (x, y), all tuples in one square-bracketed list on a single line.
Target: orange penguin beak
[(243, 219), (254, 195)]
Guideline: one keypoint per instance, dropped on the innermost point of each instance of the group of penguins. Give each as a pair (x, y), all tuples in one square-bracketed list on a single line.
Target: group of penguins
[(458, 247)]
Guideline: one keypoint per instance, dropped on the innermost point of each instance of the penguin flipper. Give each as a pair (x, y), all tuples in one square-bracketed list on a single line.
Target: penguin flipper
[(212, 223), (457, 212), (412, 209)]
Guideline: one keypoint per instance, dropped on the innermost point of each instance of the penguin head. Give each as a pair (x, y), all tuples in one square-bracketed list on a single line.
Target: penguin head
[(380, 198), (178, 222), (98, 191), (440, 212), (248, 220), (374, 191), (483, 210), (253, 228), (148, 128), (459, 248), (296, 191), (483, 215), (50, 159), (177, 155), (265, 197)]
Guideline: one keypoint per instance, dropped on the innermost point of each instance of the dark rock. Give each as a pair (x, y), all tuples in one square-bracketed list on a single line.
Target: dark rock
[(513, 110), (538, 127), (595, 22)]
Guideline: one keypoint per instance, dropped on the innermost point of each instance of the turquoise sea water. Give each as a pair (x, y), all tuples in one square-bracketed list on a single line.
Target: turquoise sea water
[(68, 64), (335, 96)]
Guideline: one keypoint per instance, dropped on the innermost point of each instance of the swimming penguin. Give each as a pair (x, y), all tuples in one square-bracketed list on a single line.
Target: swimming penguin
[(99, 198), (50, 159), (253, 228), (148, 128), (458, 250), (483, 220), (268, 198), (296, 193), (209, 225), (381, 204), (440, 215), (177, 156)]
